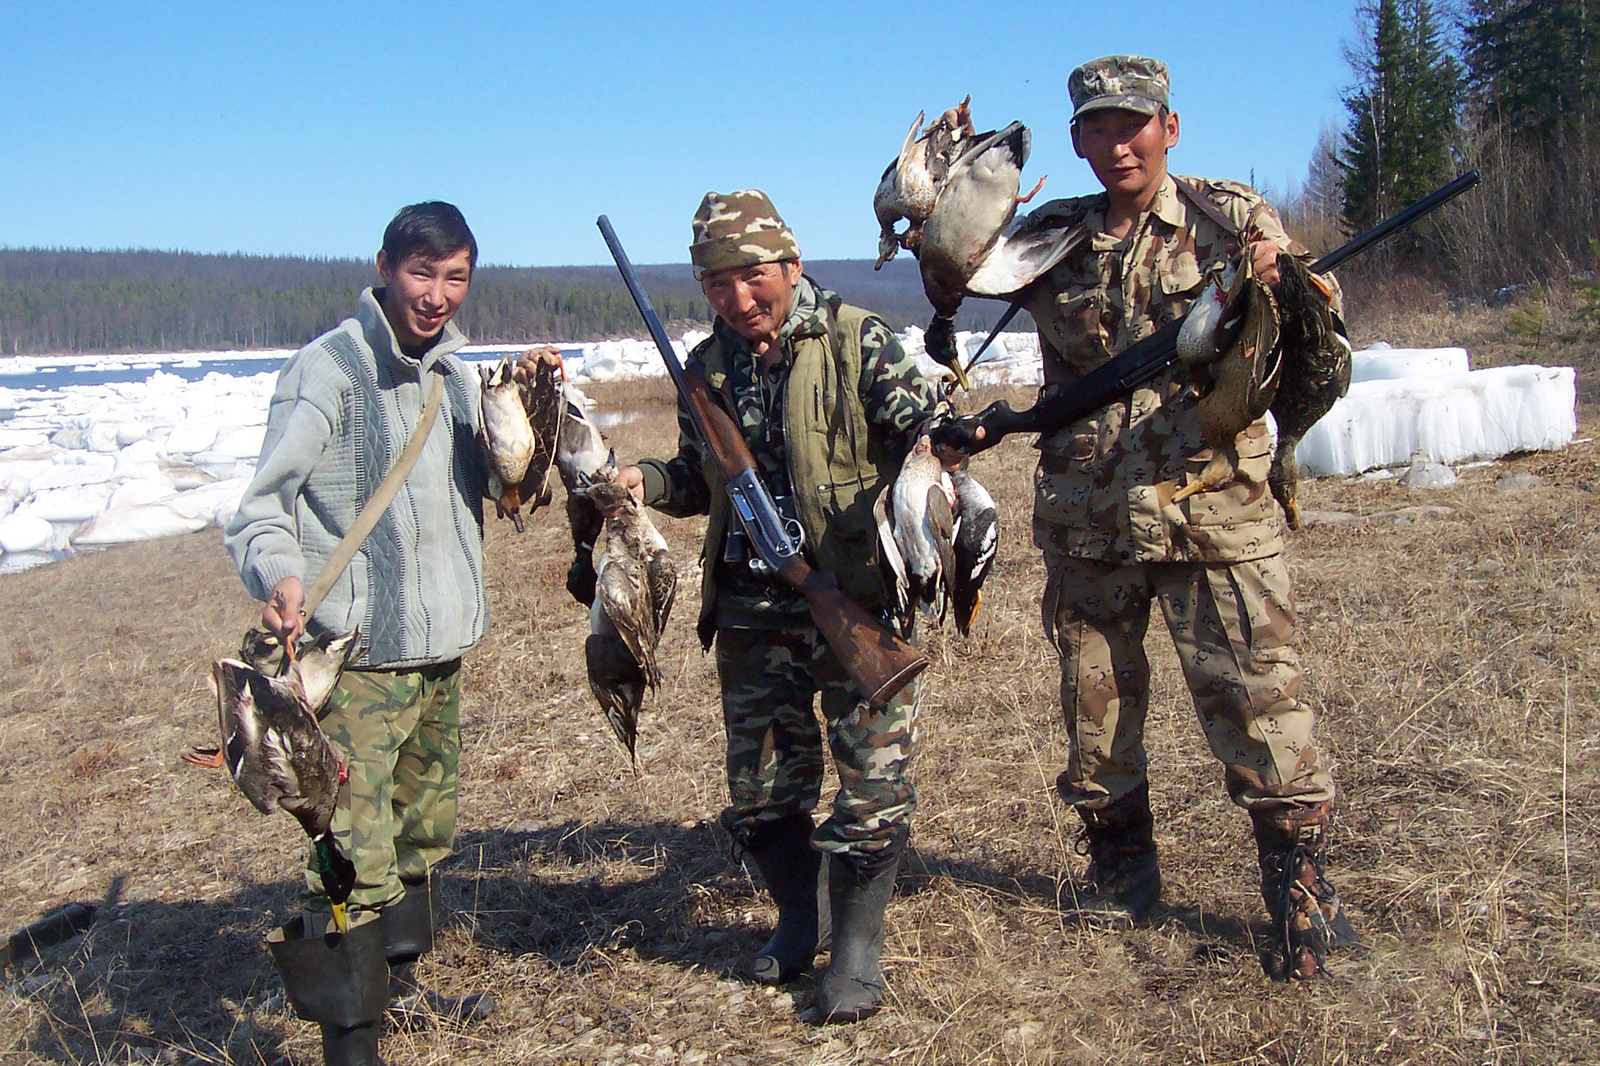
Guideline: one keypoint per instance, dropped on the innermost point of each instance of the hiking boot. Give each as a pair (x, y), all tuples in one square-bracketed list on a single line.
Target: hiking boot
[(338, 981), (408, 928), (859, 887), (796, 878), (1123, 880), (1302, 905)]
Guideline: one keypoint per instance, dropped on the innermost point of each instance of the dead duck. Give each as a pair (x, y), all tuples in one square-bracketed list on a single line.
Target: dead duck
[(977, 202), (1316, 372), (583, 458), (277, 753), (974, 544), (1233, 336), (910, 183), (521, 417), (916, 525), (507, 438), (637, 584)]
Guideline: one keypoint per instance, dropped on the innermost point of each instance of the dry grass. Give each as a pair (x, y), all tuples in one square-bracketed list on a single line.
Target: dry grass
[(1453, 658)]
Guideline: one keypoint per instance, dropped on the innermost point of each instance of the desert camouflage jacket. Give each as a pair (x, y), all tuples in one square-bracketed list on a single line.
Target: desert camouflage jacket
[(1104, 486), (895, 400)]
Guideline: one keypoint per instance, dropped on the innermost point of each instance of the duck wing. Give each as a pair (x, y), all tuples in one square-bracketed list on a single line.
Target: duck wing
[(543, 400), (661, 575), (320, 664), (977, 539), (618, 685), (891, 563), (623, 592), (977, 201)]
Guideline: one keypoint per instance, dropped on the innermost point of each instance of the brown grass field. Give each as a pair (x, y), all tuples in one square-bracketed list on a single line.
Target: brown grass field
[(1451, 651)]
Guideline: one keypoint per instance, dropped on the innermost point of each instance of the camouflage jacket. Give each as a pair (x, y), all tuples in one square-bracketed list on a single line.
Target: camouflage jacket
[(892, 401), (1104, 486)]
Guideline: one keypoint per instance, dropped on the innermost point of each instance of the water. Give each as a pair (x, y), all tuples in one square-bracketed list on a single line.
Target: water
[(55, 372)]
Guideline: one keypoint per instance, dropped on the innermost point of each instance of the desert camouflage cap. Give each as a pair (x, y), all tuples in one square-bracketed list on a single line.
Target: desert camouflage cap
[(739, 229), (1127, 83)]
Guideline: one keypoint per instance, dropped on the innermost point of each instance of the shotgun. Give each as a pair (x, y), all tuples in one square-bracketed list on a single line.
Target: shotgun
[(1145, 360), (880, 663)]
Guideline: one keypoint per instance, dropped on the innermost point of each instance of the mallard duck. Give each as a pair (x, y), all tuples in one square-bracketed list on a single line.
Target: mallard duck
[(1316, 372), (278, 754), (507, 438), (635, 590), (1235, 338), (976, 539), (977, 201), (583, 457), (916, 524), (521, 418), (543, 397), (910, 183)]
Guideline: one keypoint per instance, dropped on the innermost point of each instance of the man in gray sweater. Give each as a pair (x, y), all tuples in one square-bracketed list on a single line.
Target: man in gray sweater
[(343, 410)]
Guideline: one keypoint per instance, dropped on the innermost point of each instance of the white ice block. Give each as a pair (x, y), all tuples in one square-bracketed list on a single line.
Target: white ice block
[(1481, 414), (24, 533), (123, 524), (1375, 364), (77, 503)]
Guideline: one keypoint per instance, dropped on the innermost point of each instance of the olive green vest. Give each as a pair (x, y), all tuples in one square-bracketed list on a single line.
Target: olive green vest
[(838, 462)]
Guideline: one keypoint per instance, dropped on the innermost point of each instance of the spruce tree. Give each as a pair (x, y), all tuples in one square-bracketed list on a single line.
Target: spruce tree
[(1400, 142)]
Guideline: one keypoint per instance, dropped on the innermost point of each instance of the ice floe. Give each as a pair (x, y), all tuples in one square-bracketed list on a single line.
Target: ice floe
[(164, 453)]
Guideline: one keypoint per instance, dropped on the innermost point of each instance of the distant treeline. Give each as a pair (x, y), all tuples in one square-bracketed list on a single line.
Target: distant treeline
[(136, 300)]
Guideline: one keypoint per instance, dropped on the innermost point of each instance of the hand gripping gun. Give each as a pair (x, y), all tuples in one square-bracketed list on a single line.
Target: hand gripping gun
[(1147, 359), (880, 663)]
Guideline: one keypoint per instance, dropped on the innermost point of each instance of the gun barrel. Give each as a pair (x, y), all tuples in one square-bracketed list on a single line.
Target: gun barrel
[(1397, 221)]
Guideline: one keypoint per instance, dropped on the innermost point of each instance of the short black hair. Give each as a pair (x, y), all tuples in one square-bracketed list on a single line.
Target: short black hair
[(433, 230)]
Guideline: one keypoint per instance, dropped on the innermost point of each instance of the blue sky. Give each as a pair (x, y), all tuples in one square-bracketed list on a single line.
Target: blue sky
[(299, 128)]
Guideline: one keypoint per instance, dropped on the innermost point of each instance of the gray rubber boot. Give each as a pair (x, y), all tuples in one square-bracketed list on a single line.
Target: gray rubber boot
[(794, 874), (408, 928), (340, 982), (859, 889)]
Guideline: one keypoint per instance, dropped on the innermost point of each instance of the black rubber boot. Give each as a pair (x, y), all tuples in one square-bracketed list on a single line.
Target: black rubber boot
[(1303, 907), (408, 928), (859, 888), (339, 981), (1123, 880), (795, 876)]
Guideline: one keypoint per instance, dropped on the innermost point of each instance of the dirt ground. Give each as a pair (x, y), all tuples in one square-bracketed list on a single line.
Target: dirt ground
[(1450, 645)]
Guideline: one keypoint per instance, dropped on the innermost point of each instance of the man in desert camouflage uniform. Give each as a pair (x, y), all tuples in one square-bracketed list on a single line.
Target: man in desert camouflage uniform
[(828, 403), (1114, 542)]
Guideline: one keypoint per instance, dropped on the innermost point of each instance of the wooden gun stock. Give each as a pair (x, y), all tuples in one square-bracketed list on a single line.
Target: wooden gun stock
[(880, 663)]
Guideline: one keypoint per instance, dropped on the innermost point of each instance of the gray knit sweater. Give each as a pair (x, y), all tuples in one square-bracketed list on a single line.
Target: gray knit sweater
[(342, 411)]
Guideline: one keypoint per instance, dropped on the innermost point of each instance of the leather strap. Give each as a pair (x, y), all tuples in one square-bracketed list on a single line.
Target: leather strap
[(1208, 207), (367, 520)]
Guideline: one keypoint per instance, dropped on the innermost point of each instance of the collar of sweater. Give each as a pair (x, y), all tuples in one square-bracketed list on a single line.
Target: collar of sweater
[(379, 335)]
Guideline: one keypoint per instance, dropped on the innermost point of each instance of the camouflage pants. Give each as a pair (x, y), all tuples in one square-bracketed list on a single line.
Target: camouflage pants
[(1233, 628), (401, 735), (769, 677)]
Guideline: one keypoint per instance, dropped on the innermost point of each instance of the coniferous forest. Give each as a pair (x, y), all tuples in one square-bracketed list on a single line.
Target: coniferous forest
[(1510, 87), (91, 301)]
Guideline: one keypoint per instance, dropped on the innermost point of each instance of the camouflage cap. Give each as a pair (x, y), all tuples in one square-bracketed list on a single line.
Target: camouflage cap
[(738, 229), (1127, 83)]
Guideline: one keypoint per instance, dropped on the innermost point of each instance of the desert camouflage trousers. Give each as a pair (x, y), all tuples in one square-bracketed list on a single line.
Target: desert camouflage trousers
[(401, 734), (769, 678), (1233, 628)]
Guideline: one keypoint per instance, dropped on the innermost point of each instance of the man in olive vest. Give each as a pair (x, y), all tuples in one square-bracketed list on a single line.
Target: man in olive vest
[(828, 403)]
